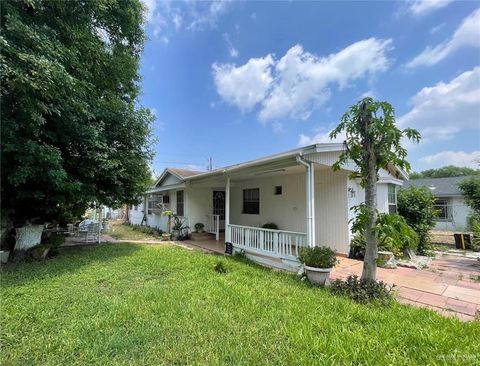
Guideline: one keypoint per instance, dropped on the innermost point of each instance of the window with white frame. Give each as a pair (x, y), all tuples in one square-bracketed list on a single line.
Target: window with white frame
[(443, 210), (154, 202), (180, 205), (392, 198), (251, 201)]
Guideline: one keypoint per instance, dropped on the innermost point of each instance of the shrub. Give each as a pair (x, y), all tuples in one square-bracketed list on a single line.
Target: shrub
[(199, 227), (220, 267), (393, 234), (417, 206), (471, 191), (363, 290), (54, 242), (270, 225), (476, 237), (318, 257)]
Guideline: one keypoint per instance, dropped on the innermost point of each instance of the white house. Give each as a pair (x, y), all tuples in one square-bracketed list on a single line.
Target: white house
[(297, 190), (453, 211)]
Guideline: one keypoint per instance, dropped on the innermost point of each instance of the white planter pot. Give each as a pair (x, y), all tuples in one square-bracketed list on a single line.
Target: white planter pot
[(4, 254), (318, 276), (28, 236)]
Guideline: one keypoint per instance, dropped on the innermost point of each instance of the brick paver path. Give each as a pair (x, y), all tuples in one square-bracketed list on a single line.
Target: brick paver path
[(449, 285)]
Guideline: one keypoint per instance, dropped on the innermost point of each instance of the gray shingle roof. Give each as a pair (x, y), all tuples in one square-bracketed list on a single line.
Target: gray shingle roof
[(438, 186)]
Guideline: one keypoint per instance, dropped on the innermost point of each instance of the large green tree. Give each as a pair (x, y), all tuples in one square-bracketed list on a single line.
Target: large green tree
[(470, 189), (373, 141), (72, 129), (445, 172)]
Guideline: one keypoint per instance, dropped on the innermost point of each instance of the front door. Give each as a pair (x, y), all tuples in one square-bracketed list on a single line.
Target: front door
[(219, 206)]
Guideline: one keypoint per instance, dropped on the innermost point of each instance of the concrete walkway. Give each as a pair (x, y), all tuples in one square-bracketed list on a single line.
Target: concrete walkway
[(449, 286)]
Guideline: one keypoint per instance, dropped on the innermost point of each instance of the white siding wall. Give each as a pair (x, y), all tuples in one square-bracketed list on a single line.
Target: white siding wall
[(331, 210), (286, 210), (198, 203), (459, 211)]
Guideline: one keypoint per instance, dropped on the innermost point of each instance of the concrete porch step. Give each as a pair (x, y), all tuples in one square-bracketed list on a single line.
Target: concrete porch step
[(205, 236)]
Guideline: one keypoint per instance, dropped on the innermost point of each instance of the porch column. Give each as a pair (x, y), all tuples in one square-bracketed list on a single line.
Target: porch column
[(227, 210), (312, 204)]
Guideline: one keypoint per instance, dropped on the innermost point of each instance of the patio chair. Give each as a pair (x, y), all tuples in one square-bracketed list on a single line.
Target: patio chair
[(89, 234)]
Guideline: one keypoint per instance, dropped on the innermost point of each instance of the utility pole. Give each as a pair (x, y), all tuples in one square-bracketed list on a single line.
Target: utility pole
[(209, 164)]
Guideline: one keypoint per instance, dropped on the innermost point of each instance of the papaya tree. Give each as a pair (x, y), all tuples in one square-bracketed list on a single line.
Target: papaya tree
[(373, 141)]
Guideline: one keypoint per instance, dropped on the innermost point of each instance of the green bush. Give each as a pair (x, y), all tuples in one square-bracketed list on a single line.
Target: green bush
[(363, 291), (470, 189), (393, 235), (270, 225), (417, 206), (54, 242), (146, 230), (199, 227), (318, 257), (476, 236)]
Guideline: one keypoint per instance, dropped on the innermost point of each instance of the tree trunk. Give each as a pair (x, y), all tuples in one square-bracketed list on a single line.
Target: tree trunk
[(371, 246), (28, 236)]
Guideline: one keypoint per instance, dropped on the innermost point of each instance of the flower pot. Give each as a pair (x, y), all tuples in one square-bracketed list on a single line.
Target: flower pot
[(28, 236), (318, 276), (175, 234), (4, 254)]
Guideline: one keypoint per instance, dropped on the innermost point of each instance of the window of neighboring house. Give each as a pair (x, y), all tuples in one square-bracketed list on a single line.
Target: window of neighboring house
[(442, 209), (180, 211), (251, 201), (278, 190), (392, 198)]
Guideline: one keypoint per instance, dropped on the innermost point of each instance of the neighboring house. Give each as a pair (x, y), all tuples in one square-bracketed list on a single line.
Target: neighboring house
[(453, 211), (297, 190)]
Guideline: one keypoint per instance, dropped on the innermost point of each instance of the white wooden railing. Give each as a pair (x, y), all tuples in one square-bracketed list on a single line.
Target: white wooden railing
[(213, 225), (276, 243)]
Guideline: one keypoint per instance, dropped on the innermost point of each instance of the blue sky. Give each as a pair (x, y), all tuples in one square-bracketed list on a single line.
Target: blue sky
[(239, 80)]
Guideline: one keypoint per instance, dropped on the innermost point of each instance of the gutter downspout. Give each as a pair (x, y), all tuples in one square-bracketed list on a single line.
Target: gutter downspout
[(308, 198)]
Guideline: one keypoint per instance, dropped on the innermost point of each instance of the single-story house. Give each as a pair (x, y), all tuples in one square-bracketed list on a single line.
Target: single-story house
[(297, 190), (453, 211)]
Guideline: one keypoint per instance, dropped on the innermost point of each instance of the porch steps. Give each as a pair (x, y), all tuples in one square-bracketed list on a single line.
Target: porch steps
[(284, 264), (206, 236)]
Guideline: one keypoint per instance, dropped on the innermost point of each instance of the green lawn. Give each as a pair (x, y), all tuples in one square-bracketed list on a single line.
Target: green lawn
[(151, 305), (125, 232)]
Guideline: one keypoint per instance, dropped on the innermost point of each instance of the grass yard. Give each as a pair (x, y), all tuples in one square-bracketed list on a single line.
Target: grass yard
[(153, 305), (126, 232)]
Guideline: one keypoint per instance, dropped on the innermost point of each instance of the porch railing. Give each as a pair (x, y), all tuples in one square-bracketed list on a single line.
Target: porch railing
[(276, 243), (213, 225)]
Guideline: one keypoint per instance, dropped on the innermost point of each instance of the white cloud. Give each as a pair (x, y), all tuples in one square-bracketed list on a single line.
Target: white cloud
[(165, 16), (232, 51), (435, 29), (320, 137), (467, 34), (422, 7), (299, 82), (244, 86), (206, 14), (441, 111), (458, 158)]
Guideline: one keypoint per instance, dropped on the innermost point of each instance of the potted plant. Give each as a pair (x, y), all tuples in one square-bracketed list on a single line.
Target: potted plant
[(199, 227), (319, 262), (168, 214), (178, 227)]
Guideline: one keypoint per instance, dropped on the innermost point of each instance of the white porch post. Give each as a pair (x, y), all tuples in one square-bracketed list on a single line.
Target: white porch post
[(227, 210), (312, 204)]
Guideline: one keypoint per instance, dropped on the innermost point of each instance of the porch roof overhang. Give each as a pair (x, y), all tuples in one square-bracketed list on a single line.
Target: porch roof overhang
[(165, 188), (276, 161)]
